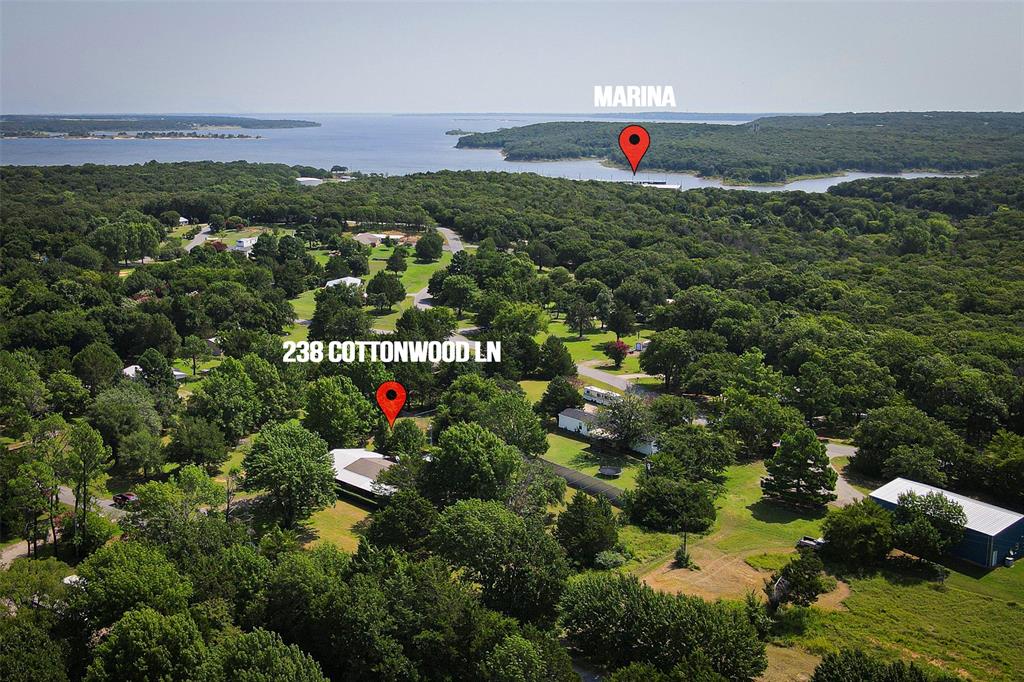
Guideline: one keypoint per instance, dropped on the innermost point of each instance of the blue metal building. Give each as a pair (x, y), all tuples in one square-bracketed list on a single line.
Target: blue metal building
[(991, 534)]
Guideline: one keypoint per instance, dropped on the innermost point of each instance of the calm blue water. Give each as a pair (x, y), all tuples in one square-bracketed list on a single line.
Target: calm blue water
[(380, 143)]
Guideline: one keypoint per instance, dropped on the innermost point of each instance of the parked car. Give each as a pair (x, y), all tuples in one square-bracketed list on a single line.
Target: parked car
[(124, 499), (808, 541)]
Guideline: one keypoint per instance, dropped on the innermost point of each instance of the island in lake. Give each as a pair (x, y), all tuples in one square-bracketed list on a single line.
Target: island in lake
[(459, 132), (158, 125)]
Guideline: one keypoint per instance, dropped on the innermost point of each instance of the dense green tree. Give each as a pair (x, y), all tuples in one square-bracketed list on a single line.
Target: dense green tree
[(848, 665), (68, 395), (669, 505), (429, 246), (799, 473), (799, 582), (586, 528), (928, 525), (555, 359), (627, 422), (124, 576), (858, 533), (510, 417), (405, 438), (521, 569), (27, 652), (890, 427), (197, 441), (122, 410), (98, 366), (758, 421), (615, 620), (459, 292), (579, 316), (258, 656), (338, 412), (227, 398), (667, 353), (559, 395), (404, 522), (696, 452), (147, 645), (470, 462), (385, 290), (294, 467)]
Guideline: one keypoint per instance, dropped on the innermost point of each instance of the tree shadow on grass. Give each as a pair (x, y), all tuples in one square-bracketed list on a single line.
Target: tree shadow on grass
[(791, 622), (767, 511)]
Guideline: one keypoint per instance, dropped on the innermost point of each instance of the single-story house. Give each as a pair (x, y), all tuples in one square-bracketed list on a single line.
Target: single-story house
[(992, 533), (600, 396), (356, 470), (178, 374), (132, 371), (183, 220), (347, 281), (309, 182), (374, 238), (576, 421), (641, 346), (583, 424)]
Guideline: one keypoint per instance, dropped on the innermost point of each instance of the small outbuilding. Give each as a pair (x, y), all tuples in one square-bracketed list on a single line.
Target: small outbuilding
[(992, 533), (347, 281)]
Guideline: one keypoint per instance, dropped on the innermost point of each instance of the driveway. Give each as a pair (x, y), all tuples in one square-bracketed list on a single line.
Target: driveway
[(845, 493), (421, 299), (200, 237)]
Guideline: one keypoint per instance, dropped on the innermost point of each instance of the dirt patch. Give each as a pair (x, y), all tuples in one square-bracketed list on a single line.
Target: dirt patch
[(789, 664), (725, 576), (721, 575)]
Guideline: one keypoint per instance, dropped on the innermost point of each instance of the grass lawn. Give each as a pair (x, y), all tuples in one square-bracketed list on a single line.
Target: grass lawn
[(388, 320), (321, 256), (591, 346), (335, 525), (971, 626), (534, 388), (417, 275), (578, 455), (649, 549), (859, 482), (745, 523), (304, 304), (296, 332)]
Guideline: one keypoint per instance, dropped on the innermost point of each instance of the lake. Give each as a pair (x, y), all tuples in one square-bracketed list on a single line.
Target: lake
[(380, 143)]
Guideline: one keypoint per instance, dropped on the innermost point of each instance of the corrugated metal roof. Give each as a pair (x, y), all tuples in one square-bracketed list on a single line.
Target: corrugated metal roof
[(984, 518), (358, 467)]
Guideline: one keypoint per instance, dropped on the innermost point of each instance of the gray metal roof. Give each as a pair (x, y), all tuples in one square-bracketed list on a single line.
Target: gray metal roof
[(573, 413), (984, 518)]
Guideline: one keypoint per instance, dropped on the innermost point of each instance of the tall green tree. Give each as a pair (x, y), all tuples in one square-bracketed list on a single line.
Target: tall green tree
[(470, 462), (294, 467), (799, 474), (147, 645), (586, 528), (338, 412)]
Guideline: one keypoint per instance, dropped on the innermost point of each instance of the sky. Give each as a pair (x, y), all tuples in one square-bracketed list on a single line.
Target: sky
[(278, 57)]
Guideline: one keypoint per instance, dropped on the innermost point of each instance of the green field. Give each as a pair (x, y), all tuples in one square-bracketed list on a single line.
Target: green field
[(591, 346), (971, 626), (304, 304), (578, 455), (336, 525)]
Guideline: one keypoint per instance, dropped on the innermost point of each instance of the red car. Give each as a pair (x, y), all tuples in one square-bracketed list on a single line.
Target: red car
[(124, 499)]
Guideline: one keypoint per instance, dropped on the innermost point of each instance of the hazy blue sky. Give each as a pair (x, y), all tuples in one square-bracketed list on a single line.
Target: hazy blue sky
[(513, 56)]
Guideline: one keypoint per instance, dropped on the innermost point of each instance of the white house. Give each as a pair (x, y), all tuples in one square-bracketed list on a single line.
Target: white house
[(347, 281), (132, 371), (576, 421), (356, 469), (182, 220), (600, 396), (178, 374), (244, 244), (309, 182)]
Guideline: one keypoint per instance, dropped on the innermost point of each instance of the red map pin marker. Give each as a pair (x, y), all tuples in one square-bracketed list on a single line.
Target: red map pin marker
[(391, 398), (634, 141)]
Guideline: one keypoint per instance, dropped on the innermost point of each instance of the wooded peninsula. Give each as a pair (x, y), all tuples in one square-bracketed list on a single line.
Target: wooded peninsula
[(775, 149)]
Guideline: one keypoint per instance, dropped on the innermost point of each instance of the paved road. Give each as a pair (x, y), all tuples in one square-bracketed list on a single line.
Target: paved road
[(845, 493), (200, 237), (19, 549), (421, 299)]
